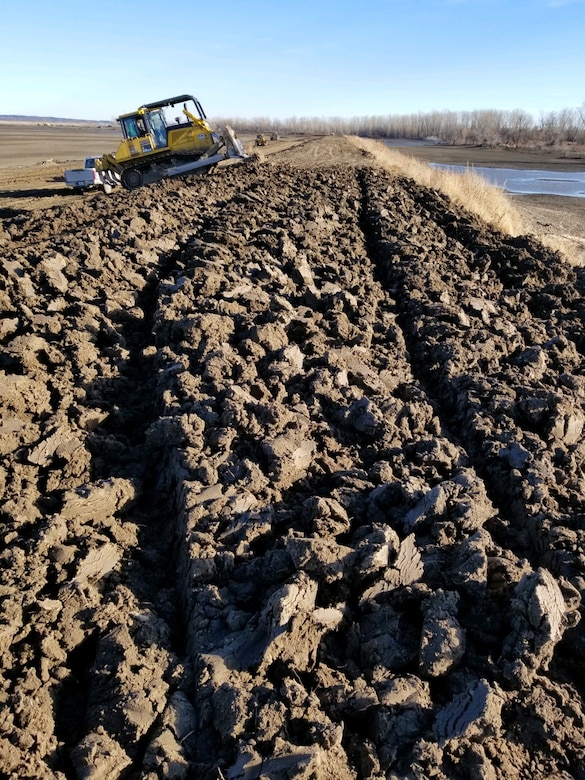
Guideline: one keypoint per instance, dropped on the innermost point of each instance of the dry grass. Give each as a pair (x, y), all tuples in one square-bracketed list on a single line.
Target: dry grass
[(468, 189), (571, 247)]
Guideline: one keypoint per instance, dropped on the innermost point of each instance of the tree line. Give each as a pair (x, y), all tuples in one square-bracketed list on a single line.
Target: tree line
[(490, 127)]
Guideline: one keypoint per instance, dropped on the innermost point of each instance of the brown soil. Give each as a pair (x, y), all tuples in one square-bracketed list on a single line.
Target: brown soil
[(293, 484)]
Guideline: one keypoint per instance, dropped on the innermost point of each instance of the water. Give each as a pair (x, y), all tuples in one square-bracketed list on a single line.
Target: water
[(410, 142), (531, 182)]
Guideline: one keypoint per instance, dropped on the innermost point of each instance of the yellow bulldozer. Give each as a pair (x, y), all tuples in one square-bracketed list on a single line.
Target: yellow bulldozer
[(164, 139)]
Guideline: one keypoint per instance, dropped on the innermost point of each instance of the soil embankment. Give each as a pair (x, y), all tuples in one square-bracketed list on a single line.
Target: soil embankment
[(293, 485), (556, 220)]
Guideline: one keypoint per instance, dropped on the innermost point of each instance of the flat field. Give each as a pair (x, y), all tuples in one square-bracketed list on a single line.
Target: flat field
[(29, 144)]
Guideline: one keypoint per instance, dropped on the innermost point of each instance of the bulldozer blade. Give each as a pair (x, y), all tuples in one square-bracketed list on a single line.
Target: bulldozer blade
[(205, 162), (233, 144)]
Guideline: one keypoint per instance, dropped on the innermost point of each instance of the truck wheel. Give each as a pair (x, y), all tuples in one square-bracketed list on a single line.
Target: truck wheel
[(131, 179)]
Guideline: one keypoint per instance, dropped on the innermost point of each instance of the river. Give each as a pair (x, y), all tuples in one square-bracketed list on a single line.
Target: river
[(528, 182)]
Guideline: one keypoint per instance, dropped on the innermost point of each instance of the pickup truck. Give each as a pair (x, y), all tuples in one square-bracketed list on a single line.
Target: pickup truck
[(80, 178)]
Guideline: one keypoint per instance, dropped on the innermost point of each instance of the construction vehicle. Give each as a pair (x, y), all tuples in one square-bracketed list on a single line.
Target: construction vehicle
[(260, 140), (160, 141)]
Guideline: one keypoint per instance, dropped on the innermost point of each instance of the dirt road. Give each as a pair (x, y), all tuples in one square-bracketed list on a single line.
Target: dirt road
[(292, 465)]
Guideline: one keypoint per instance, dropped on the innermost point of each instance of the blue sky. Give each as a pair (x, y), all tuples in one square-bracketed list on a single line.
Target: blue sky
[(278, 59)]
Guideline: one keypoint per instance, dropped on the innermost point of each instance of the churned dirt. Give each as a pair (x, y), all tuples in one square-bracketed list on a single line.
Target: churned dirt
[(292, 475)]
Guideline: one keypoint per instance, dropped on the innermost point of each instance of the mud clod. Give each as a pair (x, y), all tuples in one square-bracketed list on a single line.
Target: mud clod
[(291, 461)]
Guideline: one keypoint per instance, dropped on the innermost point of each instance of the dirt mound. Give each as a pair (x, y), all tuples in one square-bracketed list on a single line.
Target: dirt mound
[(293, 485)]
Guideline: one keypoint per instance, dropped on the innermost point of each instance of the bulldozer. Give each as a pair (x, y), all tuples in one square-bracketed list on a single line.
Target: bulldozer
[(260, 140), (160, 141)]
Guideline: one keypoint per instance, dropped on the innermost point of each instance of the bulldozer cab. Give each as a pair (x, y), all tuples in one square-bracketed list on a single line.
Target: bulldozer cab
[(158, 128), (150, 126), (133, 127)]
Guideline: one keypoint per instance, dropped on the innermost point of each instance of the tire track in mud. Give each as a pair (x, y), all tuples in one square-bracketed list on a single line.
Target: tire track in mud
[(494, 328), (287, 427), (130, 685), (245, 524), (107, 679)]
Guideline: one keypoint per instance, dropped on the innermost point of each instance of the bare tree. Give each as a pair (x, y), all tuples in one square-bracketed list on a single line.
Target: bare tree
[(486, 126)]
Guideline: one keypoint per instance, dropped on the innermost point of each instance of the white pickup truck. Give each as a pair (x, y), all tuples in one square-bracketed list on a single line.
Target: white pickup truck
[(80, 178), (89, 176)]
